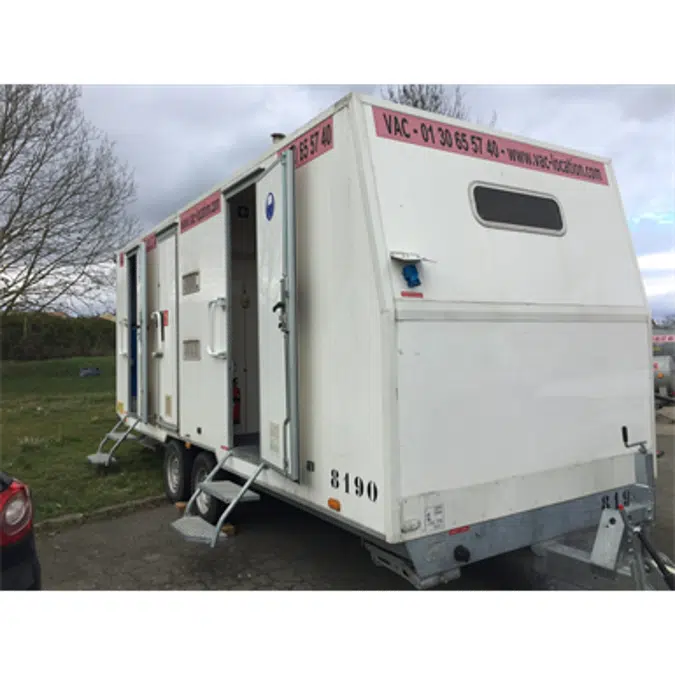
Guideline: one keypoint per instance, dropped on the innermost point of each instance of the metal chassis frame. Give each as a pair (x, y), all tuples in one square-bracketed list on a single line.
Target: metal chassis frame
[(439, 558)]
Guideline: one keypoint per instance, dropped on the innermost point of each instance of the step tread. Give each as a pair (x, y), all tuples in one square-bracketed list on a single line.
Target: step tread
[(226, 491), (101, 459), (119, 435), (194, 528)]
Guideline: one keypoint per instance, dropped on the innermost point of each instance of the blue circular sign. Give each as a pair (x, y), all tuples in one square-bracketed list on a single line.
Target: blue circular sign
[(269, 206)]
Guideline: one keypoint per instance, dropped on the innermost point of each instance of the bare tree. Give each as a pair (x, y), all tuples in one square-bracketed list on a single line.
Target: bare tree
[(63, 201), (666, 322), (433, 98)]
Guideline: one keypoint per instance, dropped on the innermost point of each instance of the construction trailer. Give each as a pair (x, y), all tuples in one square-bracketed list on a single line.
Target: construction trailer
[(663, 342), (311, 328)]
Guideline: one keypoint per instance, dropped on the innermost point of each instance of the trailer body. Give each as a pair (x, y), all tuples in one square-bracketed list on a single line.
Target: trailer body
[(338, 310)]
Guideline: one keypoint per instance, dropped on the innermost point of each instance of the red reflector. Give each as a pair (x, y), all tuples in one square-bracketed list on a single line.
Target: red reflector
[(459, 530), (412, 294)]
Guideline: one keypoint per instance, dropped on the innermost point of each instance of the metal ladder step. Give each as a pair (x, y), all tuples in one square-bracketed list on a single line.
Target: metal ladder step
[(226, 491), (119, 435), (101, 459), (195, 528)]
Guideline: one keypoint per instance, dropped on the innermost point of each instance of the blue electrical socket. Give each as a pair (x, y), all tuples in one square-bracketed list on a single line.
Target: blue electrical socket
[(411, 276)]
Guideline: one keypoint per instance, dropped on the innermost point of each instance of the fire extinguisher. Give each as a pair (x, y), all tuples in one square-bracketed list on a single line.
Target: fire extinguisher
[(236, 402)]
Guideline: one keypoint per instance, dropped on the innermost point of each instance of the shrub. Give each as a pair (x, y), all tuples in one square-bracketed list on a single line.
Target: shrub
[(36, 337)]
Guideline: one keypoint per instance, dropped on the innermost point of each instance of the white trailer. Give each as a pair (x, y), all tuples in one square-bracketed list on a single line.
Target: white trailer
[(313, 325)]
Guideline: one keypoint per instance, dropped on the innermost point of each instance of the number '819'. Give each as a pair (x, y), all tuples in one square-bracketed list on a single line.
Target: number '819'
[(354, 485)]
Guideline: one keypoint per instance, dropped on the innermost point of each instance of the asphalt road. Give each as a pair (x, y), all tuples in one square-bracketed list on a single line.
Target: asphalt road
[(277, 547)]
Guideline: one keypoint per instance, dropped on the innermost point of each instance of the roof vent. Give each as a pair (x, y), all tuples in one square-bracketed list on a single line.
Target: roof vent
[(277, 138)]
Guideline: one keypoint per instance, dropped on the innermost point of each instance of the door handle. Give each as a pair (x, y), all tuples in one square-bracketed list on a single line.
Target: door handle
[(281, 307), (215, 353), (157, 318), (124, 338)]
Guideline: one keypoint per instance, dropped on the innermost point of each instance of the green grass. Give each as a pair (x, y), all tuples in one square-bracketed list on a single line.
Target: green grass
[(51, 420)]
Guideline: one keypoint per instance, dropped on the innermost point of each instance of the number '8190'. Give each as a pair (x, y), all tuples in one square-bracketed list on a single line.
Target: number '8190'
[(354, 485)]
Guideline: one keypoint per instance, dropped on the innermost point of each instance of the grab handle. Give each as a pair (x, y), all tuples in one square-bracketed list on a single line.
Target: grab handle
[(124, 337), (157, 318), (210, 350)]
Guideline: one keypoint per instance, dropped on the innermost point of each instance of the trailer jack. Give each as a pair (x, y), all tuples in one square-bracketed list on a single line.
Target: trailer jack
[(621, 534), (616, 560)]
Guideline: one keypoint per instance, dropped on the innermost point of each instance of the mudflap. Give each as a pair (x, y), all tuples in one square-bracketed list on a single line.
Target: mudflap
[(404, 568)]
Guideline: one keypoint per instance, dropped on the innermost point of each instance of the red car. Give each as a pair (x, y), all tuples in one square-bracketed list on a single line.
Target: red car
[(20, 569)]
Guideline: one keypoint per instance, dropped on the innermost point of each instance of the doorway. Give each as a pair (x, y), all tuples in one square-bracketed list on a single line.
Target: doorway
[(262, 317), (243, 317), (132, 338)]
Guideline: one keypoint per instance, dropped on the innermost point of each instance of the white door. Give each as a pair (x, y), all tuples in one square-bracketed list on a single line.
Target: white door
[(122, 335), (142, 332), (277, 322), (204, 385), (165, 349)]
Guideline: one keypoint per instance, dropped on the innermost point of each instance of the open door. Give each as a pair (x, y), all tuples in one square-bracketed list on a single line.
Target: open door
[(204, 390), (165, 349), (277, 317), (142, 333), (122, 374)]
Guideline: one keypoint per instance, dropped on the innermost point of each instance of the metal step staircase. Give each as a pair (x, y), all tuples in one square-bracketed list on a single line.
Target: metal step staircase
[(194, 527), (105, 458)]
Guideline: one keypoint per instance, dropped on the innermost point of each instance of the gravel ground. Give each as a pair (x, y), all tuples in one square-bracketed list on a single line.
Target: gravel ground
[(276, 547)]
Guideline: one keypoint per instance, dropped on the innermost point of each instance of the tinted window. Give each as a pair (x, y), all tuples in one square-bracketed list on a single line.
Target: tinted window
[(503, 207)]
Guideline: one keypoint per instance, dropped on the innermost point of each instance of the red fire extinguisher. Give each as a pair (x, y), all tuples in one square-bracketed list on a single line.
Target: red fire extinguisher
[(236, 402)]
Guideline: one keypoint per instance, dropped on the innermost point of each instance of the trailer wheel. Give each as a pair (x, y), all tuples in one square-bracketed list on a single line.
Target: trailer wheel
[(207, 507), (177, 469)]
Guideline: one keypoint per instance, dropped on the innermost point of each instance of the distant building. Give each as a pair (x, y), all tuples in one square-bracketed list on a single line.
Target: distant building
[(663, 341)]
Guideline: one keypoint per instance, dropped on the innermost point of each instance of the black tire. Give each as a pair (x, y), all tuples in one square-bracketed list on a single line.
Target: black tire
[(37, 578), (207, 507), (177, 461)]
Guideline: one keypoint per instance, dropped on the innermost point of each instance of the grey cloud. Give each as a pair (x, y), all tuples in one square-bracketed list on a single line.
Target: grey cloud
[(650, 103), (199, 176), (641, 102), (182, 140), (625, 123), (651, 237)]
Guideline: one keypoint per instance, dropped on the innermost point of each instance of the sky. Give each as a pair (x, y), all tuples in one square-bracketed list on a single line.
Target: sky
[(181, 140)]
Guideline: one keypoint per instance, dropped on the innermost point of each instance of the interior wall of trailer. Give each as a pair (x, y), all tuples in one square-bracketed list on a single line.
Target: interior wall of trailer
[(150, 328), (244, 310), (132, 352)]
